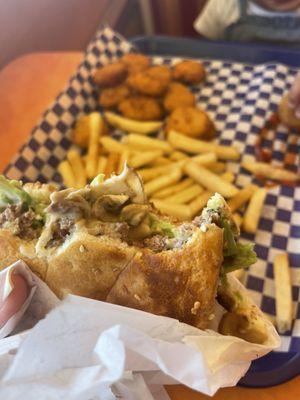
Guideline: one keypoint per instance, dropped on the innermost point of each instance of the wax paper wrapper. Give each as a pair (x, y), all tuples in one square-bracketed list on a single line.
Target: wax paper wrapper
[(87, 349)]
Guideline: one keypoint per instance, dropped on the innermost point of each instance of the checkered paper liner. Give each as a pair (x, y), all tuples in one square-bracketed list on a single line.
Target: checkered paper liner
[(239, 98)]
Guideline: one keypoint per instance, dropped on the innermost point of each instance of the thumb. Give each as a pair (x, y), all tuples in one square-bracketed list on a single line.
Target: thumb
[(14, 301)]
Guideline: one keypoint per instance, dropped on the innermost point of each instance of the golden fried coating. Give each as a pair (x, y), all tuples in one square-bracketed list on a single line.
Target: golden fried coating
[(141, 108), (178, 95), (111, 97), (192, 122), (151, 82), (135, 62), (189, 71), (110, 75), (286, 114)]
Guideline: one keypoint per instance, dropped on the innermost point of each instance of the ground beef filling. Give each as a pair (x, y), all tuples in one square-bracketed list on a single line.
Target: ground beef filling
[(61, 229), (156, 243), (21, 223), (115, 230)]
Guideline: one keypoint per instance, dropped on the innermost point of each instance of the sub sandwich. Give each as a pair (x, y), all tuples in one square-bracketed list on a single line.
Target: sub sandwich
[(107, 242)]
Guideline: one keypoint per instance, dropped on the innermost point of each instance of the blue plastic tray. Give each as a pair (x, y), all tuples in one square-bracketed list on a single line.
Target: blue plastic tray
[(232, 51), (274, 368)]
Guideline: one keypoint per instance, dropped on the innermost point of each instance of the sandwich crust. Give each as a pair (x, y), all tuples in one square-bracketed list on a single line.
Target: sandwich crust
[(12, 249), (179, 283), (87, 265)]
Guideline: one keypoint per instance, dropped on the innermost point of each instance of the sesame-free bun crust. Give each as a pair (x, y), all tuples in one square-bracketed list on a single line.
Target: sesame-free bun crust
[(13, 249), (87, 265), (178, 283)]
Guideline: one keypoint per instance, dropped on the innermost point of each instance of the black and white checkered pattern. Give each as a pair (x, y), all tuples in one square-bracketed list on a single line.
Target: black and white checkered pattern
[(239, 98)]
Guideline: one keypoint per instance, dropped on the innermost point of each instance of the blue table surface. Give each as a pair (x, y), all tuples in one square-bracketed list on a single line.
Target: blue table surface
[(274, 368)]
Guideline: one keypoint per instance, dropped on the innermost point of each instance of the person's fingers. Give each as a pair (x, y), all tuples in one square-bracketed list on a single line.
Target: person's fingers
[(294, 93), (15, 299)]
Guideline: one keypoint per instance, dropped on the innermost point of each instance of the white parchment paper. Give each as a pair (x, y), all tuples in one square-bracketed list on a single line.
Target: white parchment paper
[(86, 349)]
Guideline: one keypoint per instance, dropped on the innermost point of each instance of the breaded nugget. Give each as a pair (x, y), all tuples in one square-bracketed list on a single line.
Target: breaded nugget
[(135, 62), (110, 75), (112, 97), (141, 108), (178, 95), (192, 122), (189, 71), (286, 114), (151, 82)]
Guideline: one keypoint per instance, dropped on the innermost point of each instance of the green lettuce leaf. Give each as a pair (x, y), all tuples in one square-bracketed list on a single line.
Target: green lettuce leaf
[(160, 226), (243, 258)]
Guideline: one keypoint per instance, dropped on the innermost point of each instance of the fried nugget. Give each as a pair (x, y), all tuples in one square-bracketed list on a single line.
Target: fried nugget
[(110, 98), (135, 62), (151, 82), (178, 95), (286, 114), (110, 75), (189, 71), (192, 122), (141, 108)]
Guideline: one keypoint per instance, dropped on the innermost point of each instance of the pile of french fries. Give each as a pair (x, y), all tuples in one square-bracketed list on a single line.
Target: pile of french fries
[(179, 173)]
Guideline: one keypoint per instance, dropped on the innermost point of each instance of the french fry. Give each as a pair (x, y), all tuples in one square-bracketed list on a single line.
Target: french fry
[(173, 189), (160, 161), (102, 161), (148, 174), (111, 145), (237, 219), (77, 167), (151, 173), (202, 159), (111, 164), (228, 176), (96, 128), (124, 157), (179, 211), (144, 158), (270, 172), (138, 142), (241, 197), (177, 155), (209, 180), (195, 146), (253, 212), (216, 167), (130, 125), (66, 172), (199, 203), (186, 195), (283, 293), (162, 181)]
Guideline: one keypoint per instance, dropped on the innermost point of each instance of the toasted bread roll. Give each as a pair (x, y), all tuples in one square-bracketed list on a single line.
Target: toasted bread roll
[(87, 265), (180, 284), (12, 249)]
